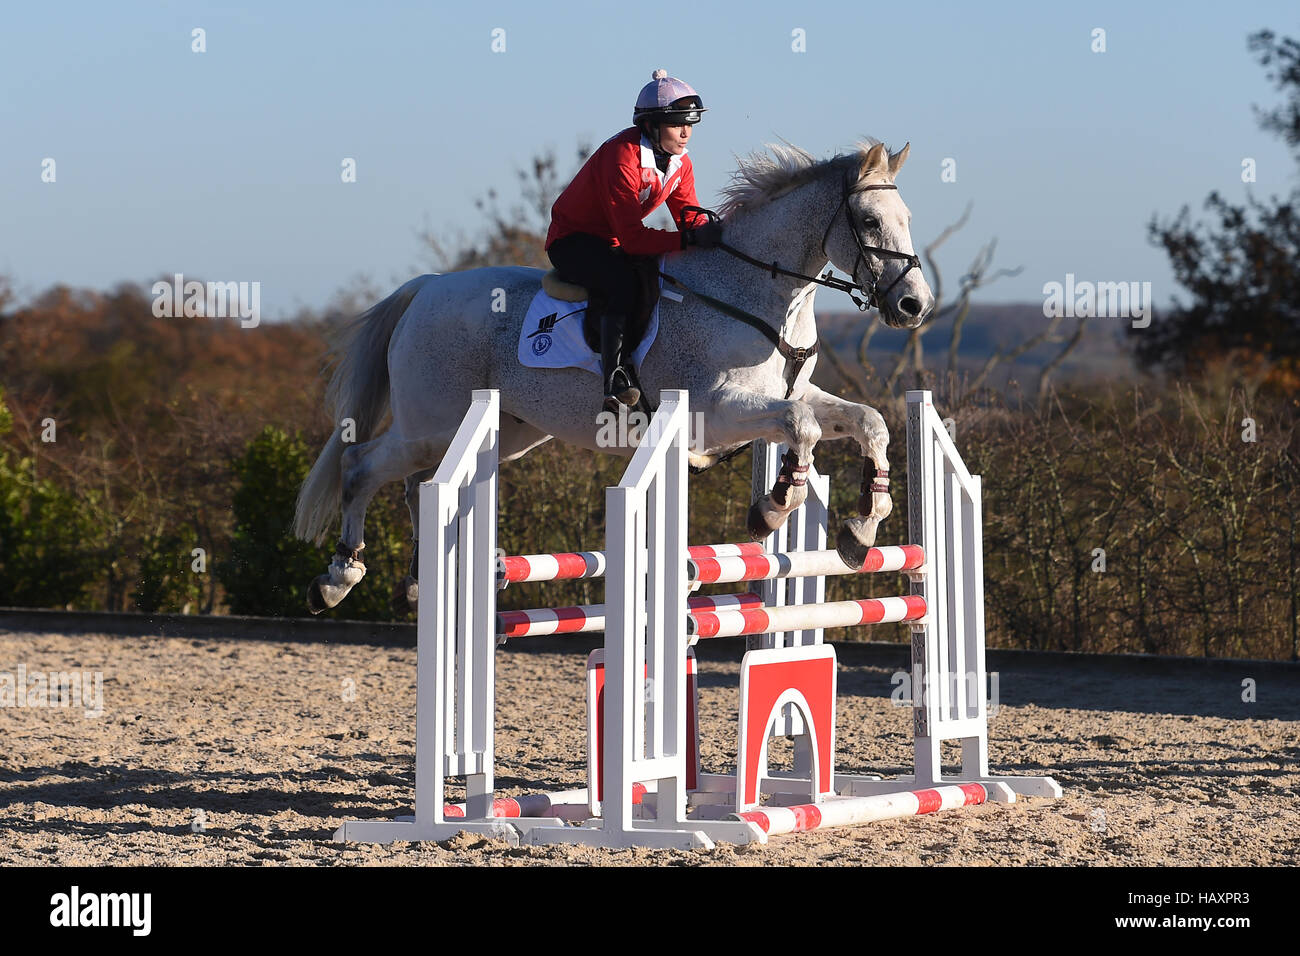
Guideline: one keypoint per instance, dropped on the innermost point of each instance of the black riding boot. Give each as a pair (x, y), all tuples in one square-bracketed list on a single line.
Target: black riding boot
[(619, 389)]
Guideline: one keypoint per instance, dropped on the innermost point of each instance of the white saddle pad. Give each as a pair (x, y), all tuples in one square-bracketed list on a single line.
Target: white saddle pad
[(551, 336)]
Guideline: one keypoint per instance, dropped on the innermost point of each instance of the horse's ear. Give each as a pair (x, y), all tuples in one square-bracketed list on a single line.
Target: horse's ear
[(896, 161), (874, 161)]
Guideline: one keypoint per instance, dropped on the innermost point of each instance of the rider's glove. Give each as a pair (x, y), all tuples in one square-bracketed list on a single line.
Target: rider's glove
[(706, 236)]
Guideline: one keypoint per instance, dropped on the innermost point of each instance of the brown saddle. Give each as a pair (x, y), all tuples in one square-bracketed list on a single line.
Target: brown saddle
[(647, 295)]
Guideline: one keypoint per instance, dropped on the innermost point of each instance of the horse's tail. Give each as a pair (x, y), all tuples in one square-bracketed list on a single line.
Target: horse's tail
[(358, 390)]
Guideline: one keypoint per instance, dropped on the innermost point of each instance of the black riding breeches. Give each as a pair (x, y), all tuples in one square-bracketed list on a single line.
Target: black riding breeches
[(606, 270)]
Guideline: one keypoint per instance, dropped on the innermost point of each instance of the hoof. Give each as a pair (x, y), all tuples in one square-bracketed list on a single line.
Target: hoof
[(698, 464), (756, 525), (316, 596), (406, 596), (325, 594), (855, 539)]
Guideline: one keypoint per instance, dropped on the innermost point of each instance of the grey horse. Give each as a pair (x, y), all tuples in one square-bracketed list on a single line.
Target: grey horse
[(740, 340)]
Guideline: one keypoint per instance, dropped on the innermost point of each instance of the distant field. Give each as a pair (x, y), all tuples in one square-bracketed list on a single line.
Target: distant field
[(988, 329)]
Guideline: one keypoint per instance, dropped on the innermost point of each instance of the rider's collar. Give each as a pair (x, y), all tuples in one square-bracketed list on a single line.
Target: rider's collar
[(648, 159)]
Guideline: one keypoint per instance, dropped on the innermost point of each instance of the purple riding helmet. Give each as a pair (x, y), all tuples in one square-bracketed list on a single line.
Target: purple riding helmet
[(667, 100)]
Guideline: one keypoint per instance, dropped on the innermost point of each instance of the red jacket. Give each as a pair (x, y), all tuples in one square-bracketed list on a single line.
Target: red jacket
[(620, 185)]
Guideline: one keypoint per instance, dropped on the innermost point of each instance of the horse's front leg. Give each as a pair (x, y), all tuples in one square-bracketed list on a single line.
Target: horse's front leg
[(784, 422), (839, 418)]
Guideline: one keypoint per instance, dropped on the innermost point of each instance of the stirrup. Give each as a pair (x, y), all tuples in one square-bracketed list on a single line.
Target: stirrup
[(621, 392)]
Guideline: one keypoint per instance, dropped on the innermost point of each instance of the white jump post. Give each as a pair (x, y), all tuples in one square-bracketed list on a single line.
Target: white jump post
[(945, 517), (645, 656), (949, 680), (455, 642)]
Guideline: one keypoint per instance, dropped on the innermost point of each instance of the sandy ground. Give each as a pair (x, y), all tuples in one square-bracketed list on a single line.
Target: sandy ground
[(271, 745)]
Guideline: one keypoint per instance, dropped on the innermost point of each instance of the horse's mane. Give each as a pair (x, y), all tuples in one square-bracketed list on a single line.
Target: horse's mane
[(762, 176)]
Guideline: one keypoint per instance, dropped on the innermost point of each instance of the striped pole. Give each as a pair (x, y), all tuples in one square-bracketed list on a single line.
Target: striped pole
[(715, 564), (584, 618), (539, 804), (572, 565), (798, 617), (850, 810), (728, 569)]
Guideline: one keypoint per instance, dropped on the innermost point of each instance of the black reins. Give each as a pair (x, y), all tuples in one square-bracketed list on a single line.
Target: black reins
[(774, 268)]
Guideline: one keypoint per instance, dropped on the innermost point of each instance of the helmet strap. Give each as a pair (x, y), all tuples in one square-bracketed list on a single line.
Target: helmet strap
[(652, 131)]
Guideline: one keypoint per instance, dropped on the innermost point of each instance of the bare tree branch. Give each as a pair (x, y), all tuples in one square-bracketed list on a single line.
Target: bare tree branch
[(1015, 353), (912, 355), (937, 286), (901, 363), (841, 369), (864, 343), (1051, 366), (913, 352), (974, 279)]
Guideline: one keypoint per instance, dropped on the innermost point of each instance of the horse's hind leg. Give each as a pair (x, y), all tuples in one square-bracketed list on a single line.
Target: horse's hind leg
[(516, 439), (406, 594), (366, 468)]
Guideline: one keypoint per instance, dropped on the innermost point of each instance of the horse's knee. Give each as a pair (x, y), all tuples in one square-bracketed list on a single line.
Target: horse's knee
[(801, 427), (875, 434), (867, 426)]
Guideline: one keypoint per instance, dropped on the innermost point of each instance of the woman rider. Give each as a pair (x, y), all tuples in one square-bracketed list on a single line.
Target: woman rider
[(597, 238)]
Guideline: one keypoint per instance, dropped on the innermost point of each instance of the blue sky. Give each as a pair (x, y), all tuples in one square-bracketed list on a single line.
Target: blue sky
[(225, 165)]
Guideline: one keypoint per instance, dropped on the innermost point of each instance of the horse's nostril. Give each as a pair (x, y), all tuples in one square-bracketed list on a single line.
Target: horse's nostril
[(909, 305)]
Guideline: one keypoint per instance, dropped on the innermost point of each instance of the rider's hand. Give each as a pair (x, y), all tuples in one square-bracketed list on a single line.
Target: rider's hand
[(706, 236)]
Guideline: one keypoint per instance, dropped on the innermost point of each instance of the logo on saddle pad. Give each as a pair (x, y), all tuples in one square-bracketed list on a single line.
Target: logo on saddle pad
[(545, 324), (542, 341)]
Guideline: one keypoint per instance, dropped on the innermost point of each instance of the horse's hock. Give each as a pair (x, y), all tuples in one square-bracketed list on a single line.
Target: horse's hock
[(645, 784)]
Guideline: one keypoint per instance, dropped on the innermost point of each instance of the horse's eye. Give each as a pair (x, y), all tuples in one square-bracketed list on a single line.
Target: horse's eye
[(871, 222)]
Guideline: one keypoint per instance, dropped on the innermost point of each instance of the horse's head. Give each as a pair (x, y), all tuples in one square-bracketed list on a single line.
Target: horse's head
[(871, 238)]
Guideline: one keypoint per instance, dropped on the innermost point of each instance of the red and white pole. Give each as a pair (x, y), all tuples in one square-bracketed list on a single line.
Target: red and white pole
[(799, 617), (846, 811), (800, 564), (584, 618), (572, 565), (566, 803)]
